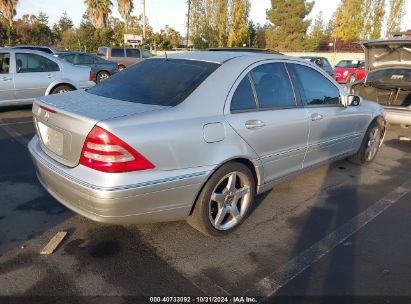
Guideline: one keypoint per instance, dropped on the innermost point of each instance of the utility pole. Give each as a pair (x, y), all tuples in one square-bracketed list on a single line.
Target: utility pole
[(143, 2), (188, 21)]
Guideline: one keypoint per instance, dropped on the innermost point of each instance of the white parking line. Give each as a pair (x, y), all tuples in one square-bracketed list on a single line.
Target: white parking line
[(282, 276)]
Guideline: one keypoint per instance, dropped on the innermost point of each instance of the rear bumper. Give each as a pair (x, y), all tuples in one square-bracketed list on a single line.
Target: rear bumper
[(165, 199), (398, 116)]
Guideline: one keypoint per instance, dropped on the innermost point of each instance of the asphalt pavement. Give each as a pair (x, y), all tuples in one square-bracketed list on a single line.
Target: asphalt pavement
[(338, 230)]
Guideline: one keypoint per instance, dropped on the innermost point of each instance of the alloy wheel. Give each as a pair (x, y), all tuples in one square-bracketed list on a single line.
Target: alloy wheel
[(102, 77), (230, 201), (374, 141)]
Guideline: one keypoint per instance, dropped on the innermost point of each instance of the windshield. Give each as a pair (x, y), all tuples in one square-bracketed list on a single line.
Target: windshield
[(156, 81), (347, 64)]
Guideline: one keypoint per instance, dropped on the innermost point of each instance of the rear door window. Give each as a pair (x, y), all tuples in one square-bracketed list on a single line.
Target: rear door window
[(135, 53), (316, 89), (117, 52), (156, 81), (70, 58), (273, 86), (32, 63), (4, 63), (85, 59), (45, 50), (243, 98)]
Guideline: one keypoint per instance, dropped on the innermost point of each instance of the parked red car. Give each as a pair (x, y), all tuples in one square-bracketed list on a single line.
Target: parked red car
[(349, 70)]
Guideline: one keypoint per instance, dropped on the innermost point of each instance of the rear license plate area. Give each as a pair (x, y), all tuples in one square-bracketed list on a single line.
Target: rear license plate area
[(52, 139)]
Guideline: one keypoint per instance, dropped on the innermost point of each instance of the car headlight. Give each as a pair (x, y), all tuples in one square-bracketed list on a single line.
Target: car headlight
[(345, 73)]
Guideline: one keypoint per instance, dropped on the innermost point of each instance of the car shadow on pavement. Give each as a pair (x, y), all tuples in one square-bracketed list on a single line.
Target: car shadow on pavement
[(337, 273), (27, 209)]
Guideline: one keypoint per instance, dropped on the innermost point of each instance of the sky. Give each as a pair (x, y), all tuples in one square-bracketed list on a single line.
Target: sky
[(168, 12)]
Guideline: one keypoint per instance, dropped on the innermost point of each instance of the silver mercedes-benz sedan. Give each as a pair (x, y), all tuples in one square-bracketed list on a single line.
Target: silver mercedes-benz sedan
[(26, 74), (196, 136)]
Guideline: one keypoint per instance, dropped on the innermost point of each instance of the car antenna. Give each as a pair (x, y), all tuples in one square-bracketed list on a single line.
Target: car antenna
[(165, 53)]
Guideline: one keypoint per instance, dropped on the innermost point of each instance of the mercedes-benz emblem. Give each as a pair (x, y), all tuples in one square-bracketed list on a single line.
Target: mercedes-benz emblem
[(47, 116)]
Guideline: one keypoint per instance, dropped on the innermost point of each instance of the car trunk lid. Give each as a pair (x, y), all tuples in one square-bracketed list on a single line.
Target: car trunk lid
[(385, 54), (63, 121)]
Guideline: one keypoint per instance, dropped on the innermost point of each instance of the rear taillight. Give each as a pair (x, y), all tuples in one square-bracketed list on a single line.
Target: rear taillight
[(106, 152), (90, 76), (117, 67)]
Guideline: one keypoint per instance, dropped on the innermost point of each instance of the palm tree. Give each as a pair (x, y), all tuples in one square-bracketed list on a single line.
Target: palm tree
[(98, 12), (8, 10), (125, 8)]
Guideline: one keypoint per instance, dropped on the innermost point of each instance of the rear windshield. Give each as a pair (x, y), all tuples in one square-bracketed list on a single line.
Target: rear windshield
[(156, 81), (348, 64)]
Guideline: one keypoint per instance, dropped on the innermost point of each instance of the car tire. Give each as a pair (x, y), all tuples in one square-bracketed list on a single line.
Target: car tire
[(352, 78), (101, 76), (63, 88), (369, 146), (225, 200), (121, 67)]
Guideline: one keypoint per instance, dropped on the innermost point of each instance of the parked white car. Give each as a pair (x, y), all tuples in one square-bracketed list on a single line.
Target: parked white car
[(27, 74)]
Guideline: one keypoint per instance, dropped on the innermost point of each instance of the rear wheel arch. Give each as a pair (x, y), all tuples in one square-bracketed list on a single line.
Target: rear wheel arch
[(60, 84), (103, 71), (242, 160)]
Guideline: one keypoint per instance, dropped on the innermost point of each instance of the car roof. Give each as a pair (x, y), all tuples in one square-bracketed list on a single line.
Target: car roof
[(71, 52), (244, 49), (11, 49), (311, 57), (30, 45), (352, 59), (220, 57)]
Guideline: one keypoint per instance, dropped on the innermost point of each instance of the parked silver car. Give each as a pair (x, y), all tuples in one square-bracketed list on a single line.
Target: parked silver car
[(27, 74), (196, 136)]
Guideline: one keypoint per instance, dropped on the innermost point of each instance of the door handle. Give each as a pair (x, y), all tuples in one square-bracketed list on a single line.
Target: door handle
[(316, 117), (6, 78), (49, 76), (254, 124)]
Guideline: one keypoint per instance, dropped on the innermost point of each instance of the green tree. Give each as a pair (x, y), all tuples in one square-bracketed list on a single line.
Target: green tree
[(395, 15), (125, 8), (98, 12), (8, 11), (173, 36), (32, 29), (63, 24), (238, 29), (373, 12), (288, 24), (197, 35), (349, 20), (252, 34), (318, 34), (221, 17), (260, 36)]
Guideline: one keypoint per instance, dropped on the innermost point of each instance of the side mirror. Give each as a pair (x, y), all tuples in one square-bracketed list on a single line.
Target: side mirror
[(351, 100), (354, 100)]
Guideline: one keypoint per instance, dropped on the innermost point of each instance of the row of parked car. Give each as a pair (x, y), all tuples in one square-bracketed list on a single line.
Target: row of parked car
[(28, 71), (345, 71)]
